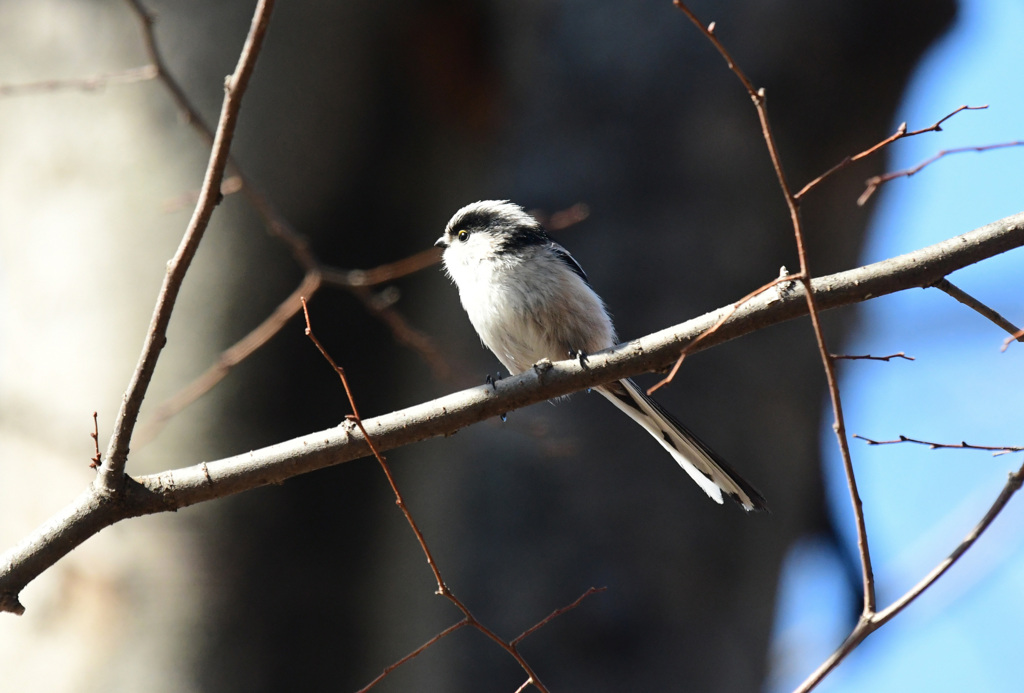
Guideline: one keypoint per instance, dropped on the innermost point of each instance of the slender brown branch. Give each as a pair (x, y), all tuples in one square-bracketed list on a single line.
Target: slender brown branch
[(95, 435), (111, 471), (1013, 484), (87, 84), (869, 624), (998, 449), (403, 332), (442, 588), (793, 204), (901, 132), (872, 184), (383, 273), (412, 655), (562, 219), (976, 305), (555, 614), (228, 359), (279, 227), (868, 357), (689, 348)]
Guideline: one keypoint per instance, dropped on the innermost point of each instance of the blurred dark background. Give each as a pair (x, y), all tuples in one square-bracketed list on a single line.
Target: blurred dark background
[(368, 123)]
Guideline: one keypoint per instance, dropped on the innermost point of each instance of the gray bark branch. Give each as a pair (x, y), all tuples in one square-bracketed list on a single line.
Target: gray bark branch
[(95, 508)]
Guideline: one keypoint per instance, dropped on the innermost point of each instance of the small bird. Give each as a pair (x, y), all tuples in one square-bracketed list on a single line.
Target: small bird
[(529, 300)]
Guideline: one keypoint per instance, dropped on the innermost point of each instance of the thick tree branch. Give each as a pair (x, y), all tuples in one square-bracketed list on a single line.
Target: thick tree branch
[(178, 488)]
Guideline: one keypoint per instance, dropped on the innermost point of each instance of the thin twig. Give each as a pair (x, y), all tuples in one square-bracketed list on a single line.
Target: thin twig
[(870, 618), (95, 435), (901, 132), (963, 445), (412, 655), (868, 357), (111, 472), (728, 313), (555, 614), (804, 276), (228, 359), (442, 588), (86, 84), (976, 305), (872, 184), (466, 622), (524, 686), (870, 623), (279, 227)]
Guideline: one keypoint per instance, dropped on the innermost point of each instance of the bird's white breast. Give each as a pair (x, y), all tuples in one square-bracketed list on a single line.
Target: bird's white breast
[(529, 306)]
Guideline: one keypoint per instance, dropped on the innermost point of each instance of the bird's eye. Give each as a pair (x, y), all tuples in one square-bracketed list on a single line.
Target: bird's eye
[(463, 235)]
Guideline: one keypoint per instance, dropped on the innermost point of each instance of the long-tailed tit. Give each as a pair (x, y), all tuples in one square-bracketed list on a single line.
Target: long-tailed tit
[(530, 300)]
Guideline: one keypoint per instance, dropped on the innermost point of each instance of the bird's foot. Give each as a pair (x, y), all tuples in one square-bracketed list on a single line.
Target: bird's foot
[(580, 356), (493, 379)]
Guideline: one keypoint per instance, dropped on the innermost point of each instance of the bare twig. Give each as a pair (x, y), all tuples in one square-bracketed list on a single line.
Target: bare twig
[(373, 449), (442, 588), (465, 622), (729, 312), (229, 186), (230, 358), (412, 655), (95, 435), (348, 279), (868, 357), (403, 332), (976, 305), (179, 488), (804, 277), (555, 614), (87, 84), (872, 184), (869, 623), (298, 244), (870, 618), (901, 132), (998, 450), (111, 472)]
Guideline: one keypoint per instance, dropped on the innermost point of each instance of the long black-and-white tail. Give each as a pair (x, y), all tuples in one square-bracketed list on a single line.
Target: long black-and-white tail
[(698, 460)]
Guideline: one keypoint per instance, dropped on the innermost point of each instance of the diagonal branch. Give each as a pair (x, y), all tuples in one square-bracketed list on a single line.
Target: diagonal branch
[(979, 307), (442, 586), (872, 184), (804, 277), (178, 488), (111, 473), (868, 624), (92, 83), (901, 133)]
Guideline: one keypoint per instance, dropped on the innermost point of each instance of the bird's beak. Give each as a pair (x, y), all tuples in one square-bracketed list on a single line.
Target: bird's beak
[(441, 243)]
